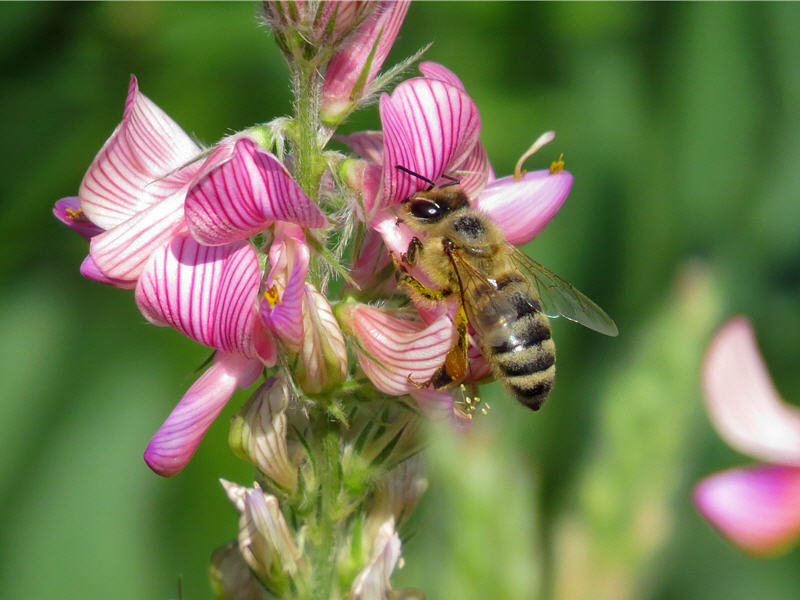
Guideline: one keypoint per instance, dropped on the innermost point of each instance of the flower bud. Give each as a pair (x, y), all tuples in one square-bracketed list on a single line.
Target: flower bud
[(354, 67), (322, 360), (264, 537), (311, 31), (398, 492), (258, 433), (230, 576), (372, 583)]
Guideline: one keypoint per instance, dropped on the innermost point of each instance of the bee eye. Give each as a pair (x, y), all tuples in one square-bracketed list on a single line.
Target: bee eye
[(424, 209)]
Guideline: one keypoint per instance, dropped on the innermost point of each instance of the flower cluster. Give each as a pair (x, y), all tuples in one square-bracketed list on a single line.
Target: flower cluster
[(233, 246), (758, 506)]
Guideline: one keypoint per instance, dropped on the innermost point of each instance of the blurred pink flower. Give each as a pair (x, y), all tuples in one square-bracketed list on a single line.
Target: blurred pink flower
[(756, 507)]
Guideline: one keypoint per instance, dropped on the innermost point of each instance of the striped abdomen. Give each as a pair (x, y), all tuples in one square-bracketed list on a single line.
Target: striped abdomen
[(515, 335)]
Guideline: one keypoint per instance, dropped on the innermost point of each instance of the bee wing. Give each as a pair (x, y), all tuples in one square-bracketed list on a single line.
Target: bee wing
[(562, 299), (475, 285)]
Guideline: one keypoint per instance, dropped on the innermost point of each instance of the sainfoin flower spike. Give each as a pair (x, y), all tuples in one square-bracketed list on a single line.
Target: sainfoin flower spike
[(237, 247), (756, 507)]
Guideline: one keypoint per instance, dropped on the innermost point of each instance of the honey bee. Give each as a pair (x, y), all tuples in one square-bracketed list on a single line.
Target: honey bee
[(505, 296)]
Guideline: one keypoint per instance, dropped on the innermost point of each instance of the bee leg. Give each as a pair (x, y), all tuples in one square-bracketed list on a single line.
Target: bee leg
[(414, 249), (406, 279), (454, 367)]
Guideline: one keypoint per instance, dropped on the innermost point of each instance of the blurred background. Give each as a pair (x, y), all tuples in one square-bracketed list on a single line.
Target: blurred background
[(681, 125)]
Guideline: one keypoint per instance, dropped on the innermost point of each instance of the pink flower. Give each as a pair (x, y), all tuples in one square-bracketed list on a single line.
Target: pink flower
[(300, 316), (432, 127), (355, 66), (240, 191), (209, 294), (756, 507), (140, 200), (135, 187)]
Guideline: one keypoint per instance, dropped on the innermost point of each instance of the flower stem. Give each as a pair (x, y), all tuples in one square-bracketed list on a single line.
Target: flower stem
[(307, 85), (324, 554)]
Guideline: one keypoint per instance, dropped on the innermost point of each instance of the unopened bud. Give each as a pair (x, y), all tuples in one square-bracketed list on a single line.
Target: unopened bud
[(258, 433), (322, 361), (398, 492), (231, 578), (355, 66), (372, 583), (312, 31), (265, 542)]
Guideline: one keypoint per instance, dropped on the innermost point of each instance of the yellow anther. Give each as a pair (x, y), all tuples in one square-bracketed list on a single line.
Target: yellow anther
[(271, 296), (557, 165), (484, 411), (542, 140), (74, 214), (401, 563)]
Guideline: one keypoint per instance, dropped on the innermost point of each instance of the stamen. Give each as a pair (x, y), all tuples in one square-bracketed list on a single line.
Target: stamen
[(542, 140), (557, 165), (75, 214), (468, 404)]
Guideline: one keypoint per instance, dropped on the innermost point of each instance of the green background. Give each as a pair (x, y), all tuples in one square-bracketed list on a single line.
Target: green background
[(681, 125)]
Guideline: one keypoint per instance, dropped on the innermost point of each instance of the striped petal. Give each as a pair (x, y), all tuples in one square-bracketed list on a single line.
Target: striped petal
[(474, 171), (122, 251), (353, 68), (757, 508), (134, 168), (177, 439), (281, 307), (208, 293), (429, 127), (68, 211), (522, 208), (244, 191), (433, 70), (90, 271), (742, 401), (392, 350)]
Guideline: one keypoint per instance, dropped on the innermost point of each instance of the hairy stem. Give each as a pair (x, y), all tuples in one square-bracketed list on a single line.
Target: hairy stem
[(307, 85), (327, 461)]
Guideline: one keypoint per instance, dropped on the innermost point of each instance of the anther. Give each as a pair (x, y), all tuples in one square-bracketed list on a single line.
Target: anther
[(557, 165), (542, 140), (271, 295)]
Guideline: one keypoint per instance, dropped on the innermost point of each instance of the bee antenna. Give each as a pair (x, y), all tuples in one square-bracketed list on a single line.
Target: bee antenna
[(453, 181), (417, 175)]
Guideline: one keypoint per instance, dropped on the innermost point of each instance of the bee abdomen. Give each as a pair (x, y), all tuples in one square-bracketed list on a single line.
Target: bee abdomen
[(525, 359)]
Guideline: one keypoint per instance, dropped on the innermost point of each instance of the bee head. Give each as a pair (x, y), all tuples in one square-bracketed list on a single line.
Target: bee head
[(434, 203), (431, 206)]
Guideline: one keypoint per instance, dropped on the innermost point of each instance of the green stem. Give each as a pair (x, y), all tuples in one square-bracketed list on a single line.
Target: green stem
[(307, 152), (324, 553)]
